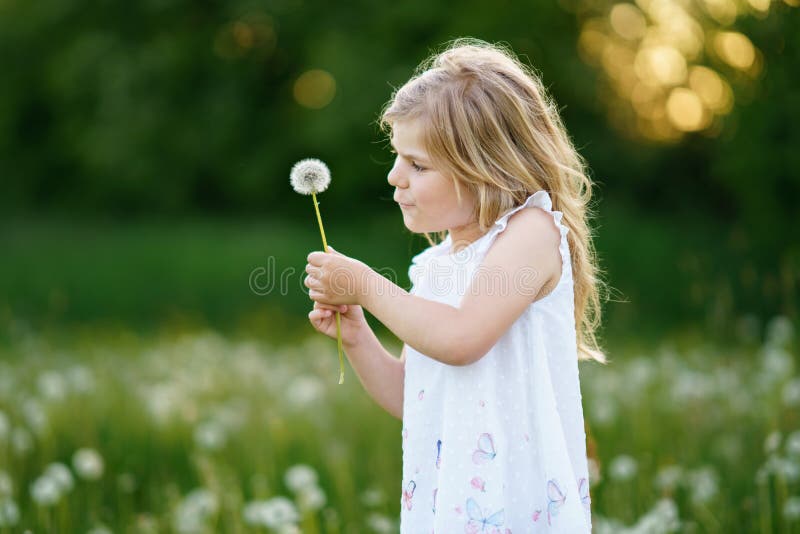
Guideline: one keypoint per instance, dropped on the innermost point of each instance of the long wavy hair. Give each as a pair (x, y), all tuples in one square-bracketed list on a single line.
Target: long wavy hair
[(489, 126)]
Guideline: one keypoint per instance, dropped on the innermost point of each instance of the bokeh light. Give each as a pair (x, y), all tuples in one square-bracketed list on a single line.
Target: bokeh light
[(667, 65), (314, 89)]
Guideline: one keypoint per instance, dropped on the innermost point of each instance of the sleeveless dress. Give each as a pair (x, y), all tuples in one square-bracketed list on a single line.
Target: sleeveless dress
[(497, 446)]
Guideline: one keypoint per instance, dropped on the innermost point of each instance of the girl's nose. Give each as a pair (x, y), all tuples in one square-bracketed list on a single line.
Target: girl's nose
[(395, 177)]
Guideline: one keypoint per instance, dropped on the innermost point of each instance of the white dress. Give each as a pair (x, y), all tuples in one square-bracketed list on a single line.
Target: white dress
[(497, 446)]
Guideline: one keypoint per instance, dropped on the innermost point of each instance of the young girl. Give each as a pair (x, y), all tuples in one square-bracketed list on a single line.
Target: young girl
[(500, 311)]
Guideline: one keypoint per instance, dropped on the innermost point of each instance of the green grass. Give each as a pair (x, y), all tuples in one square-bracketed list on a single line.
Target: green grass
[(225, 417)]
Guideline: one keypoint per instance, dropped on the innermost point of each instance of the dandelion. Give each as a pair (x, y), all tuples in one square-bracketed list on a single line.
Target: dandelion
[(669, 477), (195, 510), (779, 330), (311, 498), (88, 464), (9, 512), (21, 441), (299, 477), (772, 442), (790, 394), (372, 497), (309, 177), (304, 390), (80, 379), (6, 485), (61, 475), (45, 491), (276, 513), (791, 508), (703, 484), (52, 386), (210, 435), (5, 426), (380, 523), (100, 529), (623, 467), (792, 444)]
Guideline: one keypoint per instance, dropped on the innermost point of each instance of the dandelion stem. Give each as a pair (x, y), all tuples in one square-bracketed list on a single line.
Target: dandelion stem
[(338, 314)]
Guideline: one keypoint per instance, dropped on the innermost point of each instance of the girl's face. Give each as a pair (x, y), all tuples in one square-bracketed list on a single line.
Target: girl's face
[(428, 199)]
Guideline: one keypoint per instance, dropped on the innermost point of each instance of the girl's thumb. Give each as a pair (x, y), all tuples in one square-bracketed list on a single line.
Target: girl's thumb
[(331, 249)]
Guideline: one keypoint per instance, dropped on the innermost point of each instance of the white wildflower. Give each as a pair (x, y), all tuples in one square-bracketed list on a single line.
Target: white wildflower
[(61, 475), (372, 497), (304, 390), (5, 426), (88, 464), (210, 436), (772, 442), (80, 379), (35, 416), (311, 498), (792, 444), (6, 485), (45, 491), (623, 467), (780, 330), (280, 511), (194, 511), (791, 508), (380, 523), (52, 386), (9, 512), (100, 529), (669, 477), (703, 484), (299, 477), (790, 394), (21, 441)]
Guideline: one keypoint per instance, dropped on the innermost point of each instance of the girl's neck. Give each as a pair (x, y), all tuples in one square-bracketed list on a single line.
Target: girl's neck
[(464, 236)]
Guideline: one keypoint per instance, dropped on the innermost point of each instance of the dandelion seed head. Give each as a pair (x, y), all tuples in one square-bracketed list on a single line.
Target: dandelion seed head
[(623, 467), (45, 491), (311, 498), (310, 175), (9, 512), (88, 464), (61, 475), (300, 477)]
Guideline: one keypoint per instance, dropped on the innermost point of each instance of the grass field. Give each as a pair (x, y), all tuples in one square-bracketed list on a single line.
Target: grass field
[(203, 432)]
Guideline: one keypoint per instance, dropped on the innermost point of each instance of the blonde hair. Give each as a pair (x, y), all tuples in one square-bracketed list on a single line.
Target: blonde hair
[(489, 125)]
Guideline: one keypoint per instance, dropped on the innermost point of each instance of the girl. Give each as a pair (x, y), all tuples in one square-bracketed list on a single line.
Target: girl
[(501, 308)]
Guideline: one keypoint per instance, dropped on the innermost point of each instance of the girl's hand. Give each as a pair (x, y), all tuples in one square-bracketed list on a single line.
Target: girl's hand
[(334, 278), (323, 319)]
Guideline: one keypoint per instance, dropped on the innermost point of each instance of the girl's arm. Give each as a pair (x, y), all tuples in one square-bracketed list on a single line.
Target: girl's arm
[(381, 374), (523, 263)]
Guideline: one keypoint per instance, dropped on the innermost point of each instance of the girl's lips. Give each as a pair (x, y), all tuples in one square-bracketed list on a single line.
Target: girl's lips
[(406, 205)]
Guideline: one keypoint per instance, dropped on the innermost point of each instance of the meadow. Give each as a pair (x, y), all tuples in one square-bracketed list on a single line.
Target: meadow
[(198, 431)]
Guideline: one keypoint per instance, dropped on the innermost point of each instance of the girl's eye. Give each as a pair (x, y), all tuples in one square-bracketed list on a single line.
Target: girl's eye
[(417, 167)]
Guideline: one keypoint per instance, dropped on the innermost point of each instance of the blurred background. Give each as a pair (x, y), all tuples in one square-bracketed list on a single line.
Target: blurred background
[(158, 371)]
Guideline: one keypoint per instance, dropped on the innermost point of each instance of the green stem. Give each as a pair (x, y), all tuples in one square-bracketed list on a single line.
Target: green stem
[(338, 314)]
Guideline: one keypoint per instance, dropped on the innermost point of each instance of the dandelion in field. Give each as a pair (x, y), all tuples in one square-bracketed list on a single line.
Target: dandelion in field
[(790, 394), (380, 523), (372, 497), (792, 444), (195, 511), (299, 477), (21, 441), (668, 478), (791, 508), (5, 426), (6, 484), (80, 379), (772, 442), (9, 512), (61, 475), (780, 331), (274, 513), (623, 467), (311, 499), (703, 484), (88, 464), (304, 390), (45, 491), (100, 529), (52, 386), (210, 436), (35, 416)]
